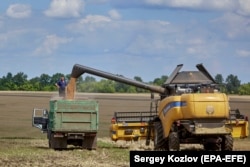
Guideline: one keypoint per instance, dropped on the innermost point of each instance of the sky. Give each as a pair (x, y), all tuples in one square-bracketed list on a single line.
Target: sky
[(146, 38)]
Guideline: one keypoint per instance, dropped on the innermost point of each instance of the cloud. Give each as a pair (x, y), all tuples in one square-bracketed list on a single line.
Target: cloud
[(241, 7), (233, 26), (99, 29), (221, 5), (114, 14), (95, 19), (243, 53), (175, 3), (65, 8), (90, 23), (18, 11), (50, 44), (244, 7)]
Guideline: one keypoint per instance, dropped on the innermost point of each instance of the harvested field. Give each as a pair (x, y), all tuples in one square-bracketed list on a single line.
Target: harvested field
[(23, 145)]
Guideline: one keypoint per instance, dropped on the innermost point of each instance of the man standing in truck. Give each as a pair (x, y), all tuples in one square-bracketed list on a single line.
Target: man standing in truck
[(61, 85)]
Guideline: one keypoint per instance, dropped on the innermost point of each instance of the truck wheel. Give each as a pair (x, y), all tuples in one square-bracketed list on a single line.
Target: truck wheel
[(174, 141), (57, 143), (227, 143), (159, 142), (89, 142), (51, 141), (49, 138)]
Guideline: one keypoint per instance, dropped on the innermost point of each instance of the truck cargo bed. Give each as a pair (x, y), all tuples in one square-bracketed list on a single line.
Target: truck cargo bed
[(74, 115)]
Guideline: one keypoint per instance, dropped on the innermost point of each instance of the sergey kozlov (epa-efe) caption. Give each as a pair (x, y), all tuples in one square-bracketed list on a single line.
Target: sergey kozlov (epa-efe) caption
[(189, 158)]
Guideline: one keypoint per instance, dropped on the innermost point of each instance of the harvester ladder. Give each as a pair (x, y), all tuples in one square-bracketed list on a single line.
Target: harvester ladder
[(153, 111)]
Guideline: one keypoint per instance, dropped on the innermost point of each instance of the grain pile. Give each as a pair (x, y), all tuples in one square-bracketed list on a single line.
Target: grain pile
[(71, 89)]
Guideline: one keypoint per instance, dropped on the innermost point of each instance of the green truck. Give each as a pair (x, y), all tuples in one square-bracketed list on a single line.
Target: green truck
[(69, 122)]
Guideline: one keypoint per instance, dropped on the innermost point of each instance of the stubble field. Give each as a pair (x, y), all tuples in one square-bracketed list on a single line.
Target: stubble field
[(24, 145)]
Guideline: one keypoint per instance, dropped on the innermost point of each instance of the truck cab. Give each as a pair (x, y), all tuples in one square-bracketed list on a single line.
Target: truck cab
[(40, 119)]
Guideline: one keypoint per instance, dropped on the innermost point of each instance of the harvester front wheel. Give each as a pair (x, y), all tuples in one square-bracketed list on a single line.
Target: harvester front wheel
[(159, 142), (173, 141), (227, 143)]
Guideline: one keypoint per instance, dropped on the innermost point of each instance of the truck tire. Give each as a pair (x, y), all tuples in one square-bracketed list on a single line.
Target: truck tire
[(227, 143), (89, 142), (51, 141), (48, 137), (159, 141), (174, 141), (57, 143)]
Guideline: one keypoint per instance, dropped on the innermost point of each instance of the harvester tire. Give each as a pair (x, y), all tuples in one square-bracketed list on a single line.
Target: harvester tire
[(159, 142), (227, 143), (173, 141), (211, 146)]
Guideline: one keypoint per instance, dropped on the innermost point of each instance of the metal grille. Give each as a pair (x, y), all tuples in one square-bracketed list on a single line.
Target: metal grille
[(134, 116)]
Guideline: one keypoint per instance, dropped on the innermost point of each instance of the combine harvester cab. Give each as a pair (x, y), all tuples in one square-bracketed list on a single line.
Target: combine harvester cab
[(69, 122)]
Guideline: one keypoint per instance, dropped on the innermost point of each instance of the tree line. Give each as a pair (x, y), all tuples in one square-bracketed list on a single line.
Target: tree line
[(45, 82)]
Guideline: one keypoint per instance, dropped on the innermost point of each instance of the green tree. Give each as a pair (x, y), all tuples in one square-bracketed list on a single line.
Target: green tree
[(160, 81), (106, 86), (220, 81), (89, 79), (89, 84), (19, 80), (120, 87), (137, 78), (35, 82), (45, 81), (7, 82), (134, 89), (232, 84), (244, 89)]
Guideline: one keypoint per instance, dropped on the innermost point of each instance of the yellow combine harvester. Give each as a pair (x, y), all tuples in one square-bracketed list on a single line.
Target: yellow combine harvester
[(134, 126), (190, 110)]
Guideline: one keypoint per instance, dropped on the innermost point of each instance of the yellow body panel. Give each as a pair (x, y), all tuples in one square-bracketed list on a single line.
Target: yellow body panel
[(137, 131), (239, 128), (192, 106), (206, 131), (206, 105)]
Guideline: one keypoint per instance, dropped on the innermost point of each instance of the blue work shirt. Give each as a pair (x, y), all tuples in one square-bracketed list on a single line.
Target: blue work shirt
[(62, 84)]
